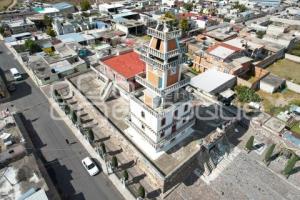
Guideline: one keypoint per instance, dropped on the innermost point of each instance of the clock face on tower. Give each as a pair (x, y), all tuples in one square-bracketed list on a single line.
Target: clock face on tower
[(173, 70)]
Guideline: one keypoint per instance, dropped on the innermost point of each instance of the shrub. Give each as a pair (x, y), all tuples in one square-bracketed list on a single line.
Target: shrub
[(249, 144), (246, 95), (85, 5), (125, 175), (290, 165), (269, 153), (103, 148), (90, 135), (74, 117), (141, 192), (51, 32), (260, 34), (32, 46), (67, 109), (114, 162)]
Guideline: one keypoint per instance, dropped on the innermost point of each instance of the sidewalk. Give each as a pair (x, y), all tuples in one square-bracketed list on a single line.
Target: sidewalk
[(114, 179)]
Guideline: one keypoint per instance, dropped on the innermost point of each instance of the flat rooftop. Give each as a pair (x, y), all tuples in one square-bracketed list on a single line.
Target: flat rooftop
[(127, 64), (210, 80)]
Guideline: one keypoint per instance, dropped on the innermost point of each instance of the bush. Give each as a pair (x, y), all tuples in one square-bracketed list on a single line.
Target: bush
[(85, 5), (246, 95), (290, 165), (103, 148), (188, 6), (74, 117), (50, 32), (141, 192), (125, 175), (114, 162), (90, 135), (32, 46), (67, 109), (269, 153), (260, 34), (249, 144)]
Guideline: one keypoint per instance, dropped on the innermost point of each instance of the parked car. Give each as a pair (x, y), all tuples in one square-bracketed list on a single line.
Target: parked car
[(90, 166), (10, 81), (16, 74)]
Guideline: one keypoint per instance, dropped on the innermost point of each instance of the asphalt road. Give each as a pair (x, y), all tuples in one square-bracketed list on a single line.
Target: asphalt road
[(62, 160)]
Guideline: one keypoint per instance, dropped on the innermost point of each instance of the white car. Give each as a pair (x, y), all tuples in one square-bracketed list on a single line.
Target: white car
[(16, 74), (90, 166)]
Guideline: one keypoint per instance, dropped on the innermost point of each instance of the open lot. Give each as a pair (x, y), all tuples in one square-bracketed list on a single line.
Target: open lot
[(4, 4), (278, 102), (286, 69), (296, 128)]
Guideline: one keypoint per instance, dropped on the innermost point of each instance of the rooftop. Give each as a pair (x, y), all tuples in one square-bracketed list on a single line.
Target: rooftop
[(127, 64), (222, 50), (62, 5), (241, 42), (272, 80), (210, 80)]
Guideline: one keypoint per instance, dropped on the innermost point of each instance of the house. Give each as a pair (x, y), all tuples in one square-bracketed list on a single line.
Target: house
[(122, 69), (112, 8), (64, 7), (130, 27), (216, 56), (61, 27), (271, 83), (213, 81), (20, 25), (50, 67)]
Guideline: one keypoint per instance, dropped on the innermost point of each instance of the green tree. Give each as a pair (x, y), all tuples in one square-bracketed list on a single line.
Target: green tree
[(2, 30), (246, 95), (85, 5), (290, 165), (55, 93), (60, 101), (90, 135), (249, 144), (32, 46), (74, 117), (141, 192), (51, 32), (103, 148), (269, 153), (260, 34), (170, 15), (173, 21), (125, 175), (67, 110), (240, 7), (184, 25), (188, 6), (47, 21), (114, 162)]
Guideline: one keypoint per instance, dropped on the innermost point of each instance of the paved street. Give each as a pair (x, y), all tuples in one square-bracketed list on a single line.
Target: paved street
[(63, 161)]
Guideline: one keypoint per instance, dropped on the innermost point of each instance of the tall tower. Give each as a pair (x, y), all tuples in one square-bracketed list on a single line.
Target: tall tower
[(160, 114)]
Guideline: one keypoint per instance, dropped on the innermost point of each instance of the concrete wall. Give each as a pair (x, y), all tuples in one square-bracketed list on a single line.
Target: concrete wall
[(271, 59), (292, 58), (293, 86)]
